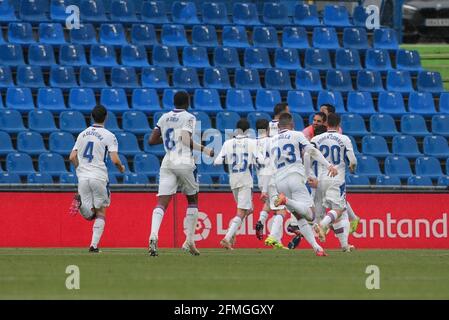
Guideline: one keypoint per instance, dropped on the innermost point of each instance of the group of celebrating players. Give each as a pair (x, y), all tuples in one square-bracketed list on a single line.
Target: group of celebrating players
[(301, 173)]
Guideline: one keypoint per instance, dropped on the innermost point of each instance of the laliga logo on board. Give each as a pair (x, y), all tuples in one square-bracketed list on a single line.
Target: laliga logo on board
[(203, 227)]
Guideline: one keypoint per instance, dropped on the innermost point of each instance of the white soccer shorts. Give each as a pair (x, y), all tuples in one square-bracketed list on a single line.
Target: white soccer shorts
[(172, 179), (244, 197), (94, 193), (294, 187), (332, 194)]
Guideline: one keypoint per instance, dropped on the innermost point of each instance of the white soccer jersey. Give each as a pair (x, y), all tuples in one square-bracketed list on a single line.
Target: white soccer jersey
[(92, 145), (263, 149), (334, 147), (172, 124), (274, 129), (240, 153)]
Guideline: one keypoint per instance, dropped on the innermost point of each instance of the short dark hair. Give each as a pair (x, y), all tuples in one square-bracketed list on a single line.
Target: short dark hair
[(279, 108), (262, 124), (333, 120), (181, 100), (322, 115), (99, 113), (320, 129), (330, 108), (243, 125), (285, 119)]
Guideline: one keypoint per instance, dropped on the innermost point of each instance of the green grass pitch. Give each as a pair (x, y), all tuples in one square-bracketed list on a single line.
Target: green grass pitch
[(218, 274)]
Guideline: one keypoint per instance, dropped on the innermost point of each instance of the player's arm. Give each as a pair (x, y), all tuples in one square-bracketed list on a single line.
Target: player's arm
[(351, 156), (74, 158), (155, 137), (187, 140), (116, 161)]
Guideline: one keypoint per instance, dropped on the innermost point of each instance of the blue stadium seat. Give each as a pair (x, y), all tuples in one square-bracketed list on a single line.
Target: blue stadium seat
[(295, 38), (370, 81), (235, 37), (298, 121), (353, 125), (19, 163), (6, 79), (405, 146), (41, 55), (212, 138), (414, 124), (41, 121), (325, 38), (383, 125), (63, 77), (306, 15), (408, 60), (68, 178), (57, 11), (224, 179), (333, 98), (5, 144), (428, 167), (204, 36), (135, 122), (124, 77), (355, 38), (143, 35), (195, 57), (184, 13), (277, 79), (239, 101), (429, 81), (61, 142), (391, 103), (111, 123), (30, 77), (204, 178), (135, 178), (30, 142), (7, 13), (103, 55), (227, 120), (226, 57), (300, 102), (9, 177), (186, 78), (134, 56), (92, 77), (203, 121), (145, 100), (375, 146), (378, 60), (308, 80), (399, 81), (245, 14), (168, 96), (287, 58), (421, 103), (444, 102), (359, 16), (336, 16), (215, 13), (157, 150), (275, 14), (147, 164), (114, 100), (386, 180), (360, 102), (128, 143), (72, 55), (252, 118), (20, 33), (347, 59), (436, 146), (337, 80), (11, 54), (440, 125), (367, 166), (154, 77), (123, 11), (256, 58), (72, 121), (247, 79), (357, 180), (92, 11), (207, 100), (174, 35), (398, 166), (165, 56), (317, 59), (216, 78), (267, 99), (39, 178), (265, 37), (419, 181), (154, 12), (385, 38), (19, 99), (82, 99), (52, 164), (443, 181), (84, 35)]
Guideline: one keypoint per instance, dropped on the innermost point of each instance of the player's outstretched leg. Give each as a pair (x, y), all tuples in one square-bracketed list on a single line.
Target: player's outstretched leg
[(156, 220), (234, 225), (276, 232), (97, 230), (190, 223), (295, 206), (353, 218), (263, 216), (307, 232), (341, 230)]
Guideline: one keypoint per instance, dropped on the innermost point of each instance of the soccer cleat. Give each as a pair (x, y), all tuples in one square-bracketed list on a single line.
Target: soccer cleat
[(259, 230), (226, 244), (320, 232), (153, 248), (280, 200), (354, 224), (190, 248), (272, 242), (295, 242), (94, 250), (349, 248), (75, 206), (321, 253), (293, 229)]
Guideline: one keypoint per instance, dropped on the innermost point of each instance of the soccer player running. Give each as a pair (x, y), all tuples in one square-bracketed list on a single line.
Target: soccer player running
[(290, 177), (88, 156), (175, 129), (238, 155)]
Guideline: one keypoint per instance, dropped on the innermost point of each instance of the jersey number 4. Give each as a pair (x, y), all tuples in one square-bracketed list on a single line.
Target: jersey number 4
[(88, 152)]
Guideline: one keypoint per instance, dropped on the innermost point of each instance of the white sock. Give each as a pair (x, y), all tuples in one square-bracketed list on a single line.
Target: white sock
[(304, 210), (190, 222), (263, 216), (351, 213), (234, 226), (97, 231), (330, 217), (156, 220), (276, 227), (307, 232), (341, 230)]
